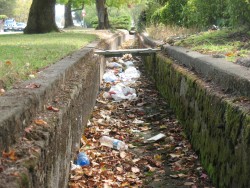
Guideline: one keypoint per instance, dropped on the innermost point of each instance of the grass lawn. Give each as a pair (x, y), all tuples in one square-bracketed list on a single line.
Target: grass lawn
[(22, 56), (232, 44)]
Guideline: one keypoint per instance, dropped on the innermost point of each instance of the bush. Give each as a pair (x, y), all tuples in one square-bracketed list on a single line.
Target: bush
[(239, 11), (200, 14), (171, 13), (3, 17), (121, 22)]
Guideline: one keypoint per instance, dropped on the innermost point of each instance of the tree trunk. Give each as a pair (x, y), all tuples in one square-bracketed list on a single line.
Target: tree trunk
[(102, 13), (67, 15), (41, 17)]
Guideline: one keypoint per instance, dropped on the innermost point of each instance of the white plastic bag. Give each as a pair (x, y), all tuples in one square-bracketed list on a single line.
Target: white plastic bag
[(121, 92), (113, 65), (110, 77)]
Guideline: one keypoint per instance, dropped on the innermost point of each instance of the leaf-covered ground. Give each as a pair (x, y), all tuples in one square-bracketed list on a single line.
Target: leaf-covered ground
[(169, 162)]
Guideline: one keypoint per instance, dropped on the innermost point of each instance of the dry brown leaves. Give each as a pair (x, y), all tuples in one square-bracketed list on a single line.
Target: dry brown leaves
[(131, 122)]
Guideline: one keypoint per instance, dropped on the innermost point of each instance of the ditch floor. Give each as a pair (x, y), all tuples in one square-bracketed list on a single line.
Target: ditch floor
[(169, 162)]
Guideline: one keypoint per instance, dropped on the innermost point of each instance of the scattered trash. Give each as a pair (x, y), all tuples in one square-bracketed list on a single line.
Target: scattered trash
[(113, 143), (121, 79), (82, 159), (74, 166), (130, 73), (110, 77), (128, 63), (120, 92), (137, 121), (157, 137), (113, 65)]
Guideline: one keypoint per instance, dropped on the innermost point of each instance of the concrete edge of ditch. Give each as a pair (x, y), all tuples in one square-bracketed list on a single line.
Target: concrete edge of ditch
[(38, 154), (233, 78), (216, 122)]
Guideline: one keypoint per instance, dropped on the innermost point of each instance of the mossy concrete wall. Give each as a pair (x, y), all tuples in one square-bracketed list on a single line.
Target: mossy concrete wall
[(41, 153), (217, 124)]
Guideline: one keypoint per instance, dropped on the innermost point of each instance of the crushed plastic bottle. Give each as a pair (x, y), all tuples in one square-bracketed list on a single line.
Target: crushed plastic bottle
[(82, 159), (113, 143)]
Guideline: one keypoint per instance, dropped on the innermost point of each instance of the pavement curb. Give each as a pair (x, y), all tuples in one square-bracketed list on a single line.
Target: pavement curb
[(232, 78)]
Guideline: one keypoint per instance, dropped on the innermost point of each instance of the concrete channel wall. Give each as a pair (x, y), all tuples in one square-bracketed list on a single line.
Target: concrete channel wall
[(211, 99), (37, 154)]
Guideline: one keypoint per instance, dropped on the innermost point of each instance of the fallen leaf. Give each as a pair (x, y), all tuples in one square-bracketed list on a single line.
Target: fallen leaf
[(157, 157), (182, 175), (145, 128), (174, 176), (11, 155), (33, 86), (204, 176), (135, 169), (119, 178), (8, 63), (188, 183), (40, 122), (229, 54), (52, 109), (174, 155), (120, 169), (125, 184), (123, 154)]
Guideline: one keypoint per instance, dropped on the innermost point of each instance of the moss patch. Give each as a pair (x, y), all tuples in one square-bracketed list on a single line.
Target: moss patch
[(217, 128)]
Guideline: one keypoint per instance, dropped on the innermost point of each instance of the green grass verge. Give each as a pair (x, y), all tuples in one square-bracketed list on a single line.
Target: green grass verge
[(22, 55), (231, 43)]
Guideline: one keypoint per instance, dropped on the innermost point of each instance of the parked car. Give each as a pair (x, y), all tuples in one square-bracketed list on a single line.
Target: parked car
[(19, 26), (9, 24)]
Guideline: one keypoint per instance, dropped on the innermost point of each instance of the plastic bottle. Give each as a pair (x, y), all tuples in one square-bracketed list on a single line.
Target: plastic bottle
[(82, 159), (113, 143)]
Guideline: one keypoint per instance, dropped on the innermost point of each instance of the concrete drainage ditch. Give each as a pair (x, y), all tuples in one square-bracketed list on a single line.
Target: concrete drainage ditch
[(211, 100)]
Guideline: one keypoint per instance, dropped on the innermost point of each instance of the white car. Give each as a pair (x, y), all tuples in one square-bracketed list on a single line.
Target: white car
[(19, 26), (9, 24)]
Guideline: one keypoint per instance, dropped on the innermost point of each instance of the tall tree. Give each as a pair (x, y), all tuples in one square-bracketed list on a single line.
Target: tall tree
[(102, 10), (41, 17), (67, 15), (102, 14)]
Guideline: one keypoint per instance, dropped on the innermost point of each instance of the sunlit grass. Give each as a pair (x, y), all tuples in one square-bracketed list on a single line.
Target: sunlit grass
[(162, 32), (22, 55), (232, 44)]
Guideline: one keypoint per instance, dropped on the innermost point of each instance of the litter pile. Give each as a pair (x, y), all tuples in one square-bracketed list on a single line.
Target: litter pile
[(121, 75), (133, 138)]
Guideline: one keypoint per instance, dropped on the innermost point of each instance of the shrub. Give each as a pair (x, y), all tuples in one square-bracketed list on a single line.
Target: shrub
[(3, 17), (239, 11), (121, 22), (171, 13)]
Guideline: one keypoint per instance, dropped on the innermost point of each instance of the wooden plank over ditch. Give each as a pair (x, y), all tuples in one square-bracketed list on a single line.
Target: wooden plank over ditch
[(120, 53)]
